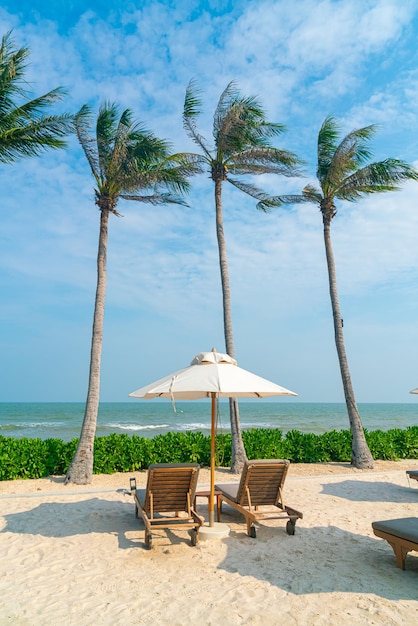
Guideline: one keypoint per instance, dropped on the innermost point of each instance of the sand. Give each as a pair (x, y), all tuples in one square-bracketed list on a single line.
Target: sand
[(74, 555)]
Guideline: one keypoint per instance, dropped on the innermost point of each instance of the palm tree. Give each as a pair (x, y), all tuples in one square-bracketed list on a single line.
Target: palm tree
[(242, 147), (127, 161), (25, 130), (344, 174)]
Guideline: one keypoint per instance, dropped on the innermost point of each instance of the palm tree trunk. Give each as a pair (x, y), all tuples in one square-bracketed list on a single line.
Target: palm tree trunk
[(360, 454), (238, 456), (80, 471)]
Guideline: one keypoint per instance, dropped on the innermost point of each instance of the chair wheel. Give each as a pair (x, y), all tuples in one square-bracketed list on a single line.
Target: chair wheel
[(290, 527), (253, 532)]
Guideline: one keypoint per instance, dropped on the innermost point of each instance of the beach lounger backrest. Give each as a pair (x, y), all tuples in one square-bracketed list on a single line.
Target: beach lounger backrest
[(263, 481), (171, 487)]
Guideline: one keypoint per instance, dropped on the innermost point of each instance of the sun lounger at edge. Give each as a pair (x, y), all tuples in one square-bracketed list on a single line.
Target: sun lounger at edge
[(412, 474), (401, 534)]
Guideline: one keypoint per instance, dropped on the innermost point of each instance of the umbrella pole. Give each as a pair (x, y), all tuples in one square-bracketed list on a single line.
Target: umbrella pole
[(212, 463)]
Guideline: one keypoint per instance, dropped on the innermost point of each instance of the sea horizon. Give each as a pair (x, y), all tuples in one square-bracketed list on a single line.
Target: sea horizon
[(63, 420)]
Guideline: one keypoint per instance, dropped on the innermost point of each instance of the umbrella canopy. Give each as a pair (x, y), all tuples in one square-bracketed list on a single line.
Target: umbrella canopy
[(414, 390), (208, 373), (213, 375)]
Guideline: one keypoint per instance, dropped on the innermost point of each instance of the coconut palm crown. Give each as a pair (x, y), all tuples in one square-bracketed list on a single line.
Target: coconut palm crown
[(25, 129), (344, 173), (241, 141), (128, 161)]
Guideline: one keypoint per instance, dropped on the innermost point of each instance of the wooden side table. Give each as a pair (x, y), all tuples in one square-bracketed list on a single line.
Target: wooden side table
[(206, 494)]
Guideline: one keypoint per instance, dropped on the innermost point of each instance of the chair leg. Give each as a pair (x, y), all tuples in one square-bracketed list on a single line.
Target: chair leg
[(400, 553), (218, 508)]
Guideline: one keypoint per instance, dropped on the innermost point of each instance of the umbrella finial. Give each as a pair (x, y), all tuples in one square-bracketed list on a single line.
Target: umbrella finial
[(213, 350)]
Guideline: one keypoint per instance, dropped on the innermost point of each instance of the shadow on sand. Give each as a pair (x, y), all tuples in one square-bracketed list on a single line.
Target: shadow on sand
[(322, 559), (95, 515), (371, 491)]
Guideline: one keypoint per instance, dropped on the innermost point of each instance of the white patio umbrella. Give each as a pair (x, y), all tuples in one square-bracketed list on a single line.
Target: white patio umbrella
[(414, 390), (211, 375)]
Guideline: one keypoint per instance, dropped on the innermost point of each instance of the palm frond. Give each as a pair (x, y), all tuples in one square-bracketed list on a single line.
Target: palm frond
[(83, 124), (327, 145), (186, 164), (192, 109), (253, 191), (312, 194), (381, 176), (229, 96), (150, 164), (133, 146), (12, 69), (106, 130), (156, 177), (30, 110), (25, 129), (263, 160), (35, 106), (350, 155), (254, 117), (29, 113), (155, 199), (171, 173), (243, 125), (276, 201), (33, 138), (145, 146)]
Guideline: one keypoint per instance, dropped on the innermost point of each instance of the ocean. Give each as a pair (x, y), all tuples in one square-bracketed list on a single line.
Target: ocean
[(63, 420)]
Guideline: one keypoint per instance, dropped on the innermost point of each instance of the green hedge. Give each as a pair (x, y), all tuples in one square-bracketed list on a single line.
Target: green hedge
[(38, 458)]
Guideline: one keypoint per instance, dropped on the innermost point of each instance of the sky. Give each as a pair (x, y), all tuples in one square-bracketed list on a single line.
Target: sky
[(305, 60)]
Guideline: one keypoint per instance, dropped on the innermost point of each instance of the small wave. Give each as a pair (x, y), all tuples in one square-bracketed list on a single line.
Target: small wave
[(257, 424), (196, 426), (138, 426), (44, 424), (22, 425), (170, 426), (7, 427)]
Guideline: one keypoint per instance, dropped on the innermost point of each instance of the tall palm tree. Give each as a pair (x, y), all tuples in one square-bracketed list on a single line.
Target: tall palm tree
[(241, 147), (25, 129), (344, 173), (127, 161)]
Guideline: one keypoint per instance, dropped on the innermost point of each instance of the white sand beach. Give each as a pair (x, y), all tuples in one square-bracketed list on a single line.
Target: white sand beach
[(74, 555)]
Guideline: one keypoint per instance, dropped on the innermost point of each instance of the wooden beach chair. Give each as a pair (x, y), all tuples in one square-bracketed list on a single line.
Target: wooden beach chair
[(401, 534), (167, 500), (261, 485)]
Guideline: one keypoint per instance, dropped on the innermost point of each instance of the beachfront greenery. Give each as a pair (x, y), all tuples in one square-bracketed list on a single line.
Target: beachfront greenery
[(26, 129), (129, 162), (241, 147), (344, 173), (38, 458)]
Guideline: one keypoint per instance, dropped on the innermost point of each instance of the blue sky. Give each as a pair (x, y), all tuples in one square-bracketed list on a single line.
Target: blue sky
[(305, 59)]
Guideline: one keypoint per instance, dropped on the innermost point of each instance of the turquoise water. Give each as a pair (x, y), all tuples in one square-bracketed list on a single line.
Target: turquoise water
[(150, 418)]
